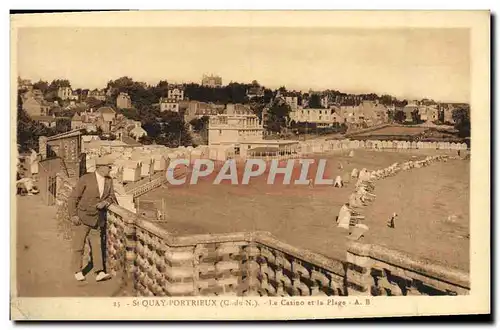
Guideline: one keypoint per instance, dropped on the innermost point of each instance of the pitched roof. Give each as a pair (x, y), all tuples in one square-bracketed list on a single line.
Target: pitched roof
[(44, 118), (88, 138), (131, 163), (129, 141), (76, 116), (103, 110), (76, 132)]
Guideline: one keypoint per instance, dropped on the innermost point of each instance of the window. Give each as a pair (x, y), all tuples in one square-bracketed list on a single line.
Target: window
[(220, 132)]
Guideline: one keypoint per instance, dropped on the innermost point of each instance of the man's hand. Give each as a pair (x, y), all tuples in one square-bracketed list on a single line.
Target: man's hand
[(75, 220), (102, 205)]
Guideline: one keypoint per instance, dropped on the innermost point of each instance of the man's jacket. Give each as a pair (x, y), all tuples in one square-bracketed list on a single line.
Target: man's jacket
[(85, 197)]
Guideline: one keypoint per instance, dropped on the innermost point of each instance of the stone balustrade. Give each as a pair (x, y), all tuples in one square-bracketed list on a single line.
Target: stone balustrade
[(377, 270), (157, 263), (240, 264)]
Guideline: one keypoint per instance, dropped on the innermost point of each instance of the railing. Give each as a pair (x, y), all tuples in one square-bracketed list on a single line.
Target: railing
[(256, 263), (240, 264), (147, 184), (382, 271)]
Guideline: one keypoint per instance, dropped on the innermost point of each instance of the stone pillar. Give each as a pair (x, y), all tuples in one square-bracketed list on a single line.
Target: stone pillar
[(252, 285), (42, 146), (358, 274), (129, 276)]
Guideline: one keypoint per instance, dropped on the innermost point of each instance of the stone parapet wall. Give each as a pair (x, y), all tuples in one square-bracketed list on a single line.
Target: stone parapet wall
[(239, 264), (380, 271), (145, 185), (257, 264)]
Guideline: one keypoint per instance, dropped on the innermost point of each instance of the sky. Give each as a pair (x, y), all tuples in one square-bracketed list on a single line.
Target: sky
[(406, 63)]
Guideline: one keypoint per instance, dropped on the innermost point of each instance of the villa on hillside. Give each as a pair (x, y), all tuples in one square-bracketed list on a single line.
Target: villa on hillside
[(169, 104), (175, 92), (123, 101)]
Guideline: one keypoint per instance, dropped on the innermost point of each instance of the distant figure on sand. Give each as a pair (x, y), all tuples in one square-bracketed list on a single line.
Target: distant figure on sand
[(392, 221), (338, 182), (87, 206)]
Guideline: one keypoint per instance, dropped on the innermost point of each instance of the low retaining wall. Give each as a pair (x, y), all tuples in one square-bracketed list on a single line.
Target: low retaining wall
[(381, 271), (152, 262), (256, 263)]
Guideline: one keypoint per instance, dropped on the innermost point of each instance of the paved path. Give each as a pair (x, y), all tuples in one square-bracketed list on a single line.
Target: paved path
[(43, 256)]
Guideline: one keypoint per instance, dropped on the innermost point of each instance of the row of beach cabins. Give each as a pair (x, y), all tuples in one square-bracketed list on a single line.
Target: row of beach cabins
[(131, 164)]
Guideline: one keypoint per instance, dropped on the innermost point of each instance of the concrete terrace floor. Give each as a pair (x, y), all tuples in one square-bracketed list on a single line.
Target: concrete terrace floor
[(43, 256), (305, 216)]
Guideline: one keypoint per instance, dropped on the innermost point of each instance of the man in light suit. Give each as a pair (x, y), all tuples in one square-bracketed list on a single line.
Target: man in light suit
[(87, 208)]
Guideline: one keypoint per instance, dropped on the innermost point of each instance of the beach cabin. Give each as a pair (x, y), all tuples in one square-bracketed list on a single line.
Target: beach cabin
[(160, 162), (131, 171), (196, 154), (147, 168), (124, 200)]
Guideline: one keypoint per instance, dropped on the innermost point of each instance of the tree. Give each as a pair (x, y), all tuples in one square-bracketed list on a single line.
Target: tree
[(28, 130), (415, 116), (63, 125), (131, 114), (268, 96), (199, 123), (390, 115), (461, 116), (400, 104), (161, 89), (386, 99), (146, 140), (153, 128), (278, 116), (441, 115), (93, 102), (99, 131), (56, 84), (43, 86), (315, 101), (399, 116), (343, 128), (140, 94)]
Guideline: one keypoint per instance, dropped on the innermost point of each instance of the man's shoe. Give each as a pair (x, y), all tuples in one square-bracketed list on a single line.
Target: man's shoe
[(102, 276), (79, 276)]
